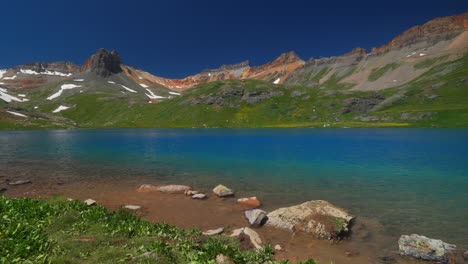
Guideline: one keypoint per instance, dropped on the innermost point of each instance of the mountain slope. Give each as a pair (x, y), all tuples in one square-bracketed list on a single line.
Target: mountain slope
[(418, 79)]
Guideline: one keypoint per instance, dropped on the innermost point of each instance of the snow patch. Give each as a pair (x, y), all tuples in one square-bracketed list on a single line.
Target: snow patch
[(17, 114), (8, 98), (143, 85), (56, 73), (21, 95), (174, 93), (63, 87), (78, 80), (422, 54), (111, 82), (128, 89), (151, 95), (60, 108), (277, 81), (1, 73), (9, 78), (36, 107)]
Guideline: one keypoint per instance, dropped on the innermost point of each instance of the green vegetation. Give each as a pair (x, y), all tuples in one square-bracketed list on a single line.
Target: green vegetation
[(56, 230), (429, 62), (440, 94), (379, 72)]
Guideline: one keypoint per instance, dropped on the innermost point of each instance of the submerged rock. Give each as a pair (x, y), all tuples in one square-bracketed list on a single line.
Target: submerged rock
[(190, 192), (256, 217), (145, 188), (319, 218), (199, 196), (249, 202), (222, 191), (429, 249), (172, 188), (132, 207), (213, 232), (19, 182)]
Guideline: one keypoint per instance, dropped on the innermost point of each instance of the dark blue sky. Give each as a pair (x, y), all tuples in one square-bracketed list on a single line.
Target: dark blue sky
[(179, 38)]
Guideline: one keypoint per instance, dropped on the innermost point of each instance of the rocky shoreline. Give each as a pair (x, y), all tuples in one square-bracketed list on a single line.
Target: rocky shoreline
[(314, 222)]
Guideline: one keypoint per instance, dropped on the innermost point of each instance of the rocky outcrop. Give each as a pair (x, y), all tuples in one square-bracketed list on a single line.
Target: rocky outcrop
[(361, 105), (319, 218), (432, 31), (429, 249), (416, 116), (103, 63)]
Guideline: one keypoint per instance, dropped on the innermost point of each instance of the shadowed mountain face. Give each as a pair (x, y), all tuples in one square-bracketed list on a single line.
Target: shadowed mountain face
[(355, 84)]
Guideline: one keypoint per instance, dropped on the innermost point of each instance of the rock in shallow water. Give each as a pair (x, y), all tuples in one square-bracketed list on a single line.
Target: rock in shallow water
[(222, 191), (319, 218), (132, 207), (199, 196), (249, 202), (256, 217), (172, 188), (429, 249)]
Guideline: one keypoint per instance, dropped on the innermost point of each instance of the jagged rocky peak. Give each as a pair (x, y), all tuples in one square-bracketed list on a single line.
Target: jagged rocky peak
[(229, 67), (356, 51), (48, 67), (288, 57), (104, 63)]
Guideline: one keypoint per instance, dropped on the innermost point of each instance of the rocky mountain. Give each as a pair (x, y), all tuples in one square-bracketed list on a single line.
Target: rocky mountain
[(418, 79)]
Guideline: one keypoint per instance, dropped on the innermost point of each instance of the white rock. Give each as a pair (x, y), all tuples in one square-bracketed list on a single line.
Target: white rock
[(90, 202), (278, 247), (199, 196), (132, 207), (213, 232)]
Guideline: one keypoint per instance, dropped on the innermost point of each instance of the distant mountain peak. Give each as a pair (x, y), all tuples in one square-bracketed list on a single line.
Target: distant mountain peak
[(104, 63), (288, 57)]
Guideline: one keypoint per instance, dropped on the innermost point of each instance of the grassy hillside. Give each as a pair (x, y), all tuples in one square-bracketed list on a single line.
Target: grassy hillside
[(438, 98), (56, 230)]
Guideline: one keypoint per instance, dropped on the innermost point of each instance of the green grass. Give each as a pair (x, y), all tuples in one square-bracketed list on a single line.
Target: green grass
[(429, 62), (56, 230), (376, 73)]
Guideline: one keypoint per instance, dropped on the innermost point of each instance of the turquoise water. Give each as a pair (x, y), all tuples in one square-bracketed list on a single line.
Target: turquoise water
[(410, 180)]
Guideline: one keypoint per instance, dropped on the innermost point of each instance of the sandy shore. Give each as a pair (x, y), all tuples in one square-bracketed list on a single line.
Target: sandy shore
[(367, 243)]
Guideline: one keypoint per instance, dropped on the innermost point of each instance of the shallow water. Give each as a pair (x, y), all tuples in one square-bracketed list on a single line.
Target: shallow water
[(410, 180)]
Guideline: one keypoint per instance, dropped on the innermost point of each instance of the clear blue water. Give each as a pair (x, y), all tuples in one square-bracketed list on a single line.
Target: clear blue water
[(410, 180)]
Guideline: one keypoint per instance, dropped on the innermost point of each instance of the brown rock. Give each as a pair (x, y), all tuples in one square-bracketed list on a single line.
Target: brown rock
[(173, 188), (146, 188), (249, 202)]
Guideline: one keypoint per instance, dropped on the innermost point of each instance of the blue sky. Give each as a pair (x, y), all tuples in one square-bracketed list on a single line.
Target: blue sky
[(179, 38)]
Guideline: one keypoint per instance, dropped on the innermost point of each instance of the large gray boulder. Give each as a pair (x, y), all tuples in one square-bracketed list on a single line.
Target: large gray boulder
[(321, 219), (429, 249), (256, 217)]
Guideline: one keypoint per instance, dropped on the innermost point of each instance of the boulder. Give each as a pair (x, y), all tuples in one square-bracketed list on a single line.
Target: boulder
[(256, 217), (249, 202), (172, 188), (254, 238), (429, 249), (222, 191), (213, 232), (319, 218), (146, 188), (199, 196), (90, 202), (19, 182)]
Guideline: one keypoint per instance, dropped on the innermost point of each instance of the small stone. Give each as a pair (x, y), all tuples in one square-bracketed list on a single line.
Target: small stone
[(278, 247), (69, 199), (465, 255), (249, 202), (254, 237), (213, 232), (199, 196), (222, 191), (90, 202), (256, 217), (190, 192), (222, 259), (19, 182), (132, 207)]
